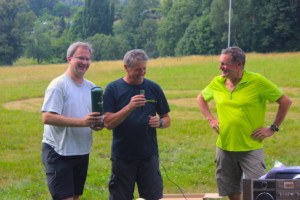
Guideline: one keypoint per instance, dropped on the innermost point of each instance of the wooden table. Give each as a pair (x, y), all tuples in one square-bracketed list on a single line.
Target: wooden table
[(198, 196)]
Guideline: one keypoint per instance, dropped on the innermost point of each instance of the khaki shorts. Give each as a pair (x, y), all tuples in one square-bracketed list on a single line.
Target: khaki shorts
[(233, 166)]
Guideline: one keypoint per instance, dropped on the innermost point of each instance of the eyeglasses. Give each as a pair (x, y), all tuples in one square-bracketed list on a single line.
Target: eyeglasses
[(82, 58)]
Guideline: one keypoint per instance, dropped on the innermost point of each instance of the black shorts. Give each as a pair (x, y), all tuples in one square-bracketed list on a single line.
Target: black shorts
[(144, 172), (65, 175)]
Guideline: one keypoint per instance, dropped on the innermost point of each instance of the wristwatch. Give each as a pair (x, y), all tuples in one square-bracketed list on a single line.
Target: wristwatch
[(161, 123), (274, 127)]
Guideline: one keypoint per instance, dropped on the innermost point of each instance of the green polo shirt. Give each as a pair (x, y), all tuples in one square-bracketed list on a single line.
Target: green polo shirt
[(242, 110)]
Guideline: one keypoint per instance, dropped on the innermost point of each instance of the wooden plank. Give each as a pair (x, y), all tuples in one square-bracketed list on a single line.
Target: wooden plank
[(211, 196), (197, 196), (187, 198), (200, 195)]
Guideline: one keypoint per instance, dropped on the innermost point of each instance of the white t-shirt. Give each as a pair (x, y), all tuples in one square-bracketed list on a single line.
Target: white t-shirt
[(65, 97)]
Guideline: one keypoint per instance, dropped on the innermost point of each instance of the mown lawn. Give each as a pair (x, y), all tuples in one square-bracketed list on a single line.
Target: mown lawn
[(187, 148)]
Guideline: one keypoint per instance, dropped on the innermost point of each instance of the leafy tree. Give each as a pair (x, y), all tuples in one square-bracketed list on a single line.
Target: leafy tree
[(173, 27), (97, 16), (279, 26), (151, 49), (198, 39), (118, 10), (61, 26), (39, 45), (262, 26), (15, 26), (165, 7), (146, 37), (107, 47), (72, 2), (38, 5), (58, 50), (132, 18), (77, 26), (60, 9), (241, 22), (219, 20)]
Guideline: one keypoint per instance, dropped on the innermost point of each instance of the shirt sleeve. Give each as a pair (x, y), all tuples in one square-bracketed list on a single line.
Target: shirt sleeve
[(53, 101), (270, 91), (163, 106), (207, 92)]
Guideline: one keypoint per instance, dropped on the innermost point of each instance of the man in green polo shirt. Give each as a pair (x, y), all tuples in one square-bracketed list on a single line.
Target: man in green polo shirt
[(240, 98)]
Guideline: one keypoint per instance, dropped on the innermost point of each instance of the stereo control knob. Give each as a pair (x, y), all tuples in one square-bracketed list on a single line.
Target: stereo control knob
[(264, 184)]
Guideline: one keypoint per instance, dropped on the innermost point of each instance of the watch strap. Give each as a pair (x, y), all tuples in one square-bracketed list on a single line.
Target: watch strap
[(161, 123), (274, 127)]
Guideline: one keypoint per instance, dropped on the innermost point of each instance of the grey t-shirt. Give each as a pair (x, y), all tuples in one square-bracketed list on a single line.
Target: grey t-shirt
[(65, 97)]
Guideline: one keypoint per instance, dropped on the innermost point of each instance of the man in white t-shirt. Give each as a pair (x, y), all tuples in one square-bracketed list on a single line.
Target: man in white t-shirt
[(69, 121)]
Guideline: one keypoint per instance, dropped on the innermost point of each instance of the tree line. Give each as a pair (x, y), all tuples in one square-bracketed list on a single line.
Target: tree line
[(43, 29)]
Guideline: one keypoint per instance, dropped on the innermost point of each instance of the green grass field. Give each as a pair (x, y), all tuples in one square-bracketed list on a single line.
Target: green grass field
[(187, 148)]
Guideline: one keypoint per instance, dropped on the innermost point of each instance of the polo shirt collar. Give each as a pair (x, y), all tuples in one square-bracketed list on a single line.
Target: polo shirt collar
[(244, 79)]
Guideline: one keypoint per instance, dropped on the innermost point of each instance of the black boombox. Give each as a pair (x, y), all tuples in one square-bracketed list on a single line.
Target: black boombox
[(271, 189), (281, 183)]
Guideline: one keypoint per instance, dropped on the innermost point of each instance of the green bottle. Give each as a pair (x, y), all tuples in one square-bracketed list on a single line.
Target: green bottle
[(97, 99)]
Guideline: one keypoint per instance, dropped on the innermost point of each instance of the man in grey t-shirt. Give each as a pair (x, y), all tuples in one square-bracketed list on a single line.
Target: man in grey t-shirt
[(69, 122)]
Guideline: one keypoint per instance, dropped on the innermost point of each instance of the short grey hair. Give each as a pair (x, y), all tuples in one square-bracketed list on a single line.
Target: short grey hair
[(73, 47), (236, 53), (135, 55)]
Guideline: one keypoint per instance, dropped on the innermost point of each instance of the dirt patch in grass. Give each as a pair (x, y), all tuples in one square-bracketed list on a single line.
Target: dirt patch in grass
[(184, 102), (35, 104), (31, 105)]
